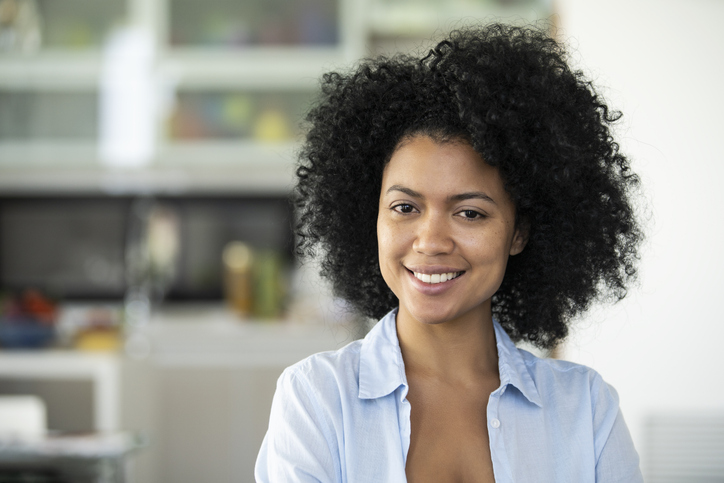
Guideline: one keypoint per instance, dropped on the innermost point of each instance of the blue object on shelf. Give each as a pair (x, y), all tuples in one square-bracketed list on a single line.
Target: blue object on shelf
[(25, 333)]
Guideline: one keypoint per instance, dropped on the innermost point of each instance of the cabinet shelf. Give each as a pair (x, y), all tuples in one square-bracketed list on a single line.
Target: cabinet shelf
[(41, 153), (54, 70), (229, 167), (221, 154), (269, 69)]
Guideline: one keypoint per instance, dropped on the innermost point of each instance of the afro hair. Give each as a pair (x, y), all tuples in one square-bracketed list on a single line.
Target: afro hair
[(508, 92)]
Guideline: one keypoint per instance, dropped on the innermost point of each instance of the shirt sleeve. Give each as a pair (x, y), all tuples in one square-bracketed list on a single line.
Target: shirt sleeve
[(617, 460), (298, 444)]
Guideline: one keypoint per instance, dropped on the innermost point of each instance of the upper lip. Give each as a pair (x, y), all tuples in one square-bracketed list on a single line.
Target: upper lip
[(432, 269)]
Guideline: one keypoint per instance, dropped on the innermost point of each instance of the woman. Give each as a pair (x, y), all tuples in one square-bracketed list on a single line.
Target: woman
[(475, 197)]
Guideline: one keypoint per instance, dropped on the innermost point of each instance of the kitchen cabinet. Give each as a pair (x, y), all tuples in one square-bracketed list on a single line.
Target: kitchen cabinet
[(225, 84), (199, 393), (104, 394), (101, 371), (216, 379), (215, 91)]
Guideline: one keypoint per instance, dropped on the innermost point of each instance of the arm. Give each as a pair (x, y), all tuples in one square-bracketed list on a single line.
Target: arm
[(617, 459), (299, 445)]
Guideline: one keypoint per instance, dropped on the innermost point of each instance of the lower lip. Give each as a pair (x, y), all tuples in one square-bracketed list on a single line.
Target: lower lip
[(433, 288)]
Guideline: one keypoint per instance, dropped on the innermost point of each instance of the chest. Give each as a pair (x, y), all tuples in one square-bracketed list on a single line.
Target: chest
[(410, 436), (449, 435)]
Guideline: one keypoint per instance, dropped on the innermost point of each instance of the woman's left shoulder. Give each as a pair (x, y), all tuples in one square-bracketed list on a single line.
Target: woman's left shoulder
[(578, 414), (556, 378)]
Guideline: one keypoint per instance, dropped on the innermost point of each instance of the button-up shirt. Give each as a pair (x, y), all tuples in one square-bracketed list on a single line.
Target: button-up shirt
[(343, 416)]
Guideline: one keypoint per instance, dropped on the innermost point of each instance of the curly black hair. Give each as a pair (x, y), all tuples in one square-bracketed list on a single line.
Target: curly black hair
[(508, 92)]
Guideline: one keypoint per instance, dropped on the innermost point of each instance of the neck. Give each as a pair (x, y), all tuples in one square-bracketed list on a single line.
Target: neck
[(463, 349)]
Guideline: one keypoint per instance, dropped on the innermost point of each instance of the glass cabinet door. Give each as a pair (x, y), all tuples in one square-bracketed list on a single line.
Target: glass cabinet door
[(43, 115), (232, 24), (249, 115), (50, 58), (78, 24), (32, 25)]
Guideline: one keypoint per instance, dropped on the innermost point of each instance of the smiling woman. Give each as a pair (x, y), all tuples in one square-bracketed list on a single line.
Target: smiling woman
[(470, 198)]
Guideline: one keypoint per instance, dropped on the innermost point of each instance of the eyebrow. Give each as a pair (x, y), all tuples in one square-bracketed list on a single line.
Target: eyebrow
[(472, 195)]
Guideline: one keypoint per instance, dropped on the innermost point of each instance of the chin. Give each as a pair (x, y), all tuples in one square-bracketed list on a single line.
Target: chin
[(433, 317)]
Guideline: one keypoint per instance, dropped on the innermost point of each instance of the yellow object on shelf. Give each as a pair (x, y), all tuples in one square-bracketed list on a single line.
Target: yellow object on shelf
[(272, 125), (98, 340), (238, 259)]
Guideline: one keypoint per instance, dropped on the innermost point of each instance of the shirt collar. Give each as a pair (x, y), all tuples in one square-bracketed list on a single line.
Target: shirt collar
[(512, 367), (382, 370)]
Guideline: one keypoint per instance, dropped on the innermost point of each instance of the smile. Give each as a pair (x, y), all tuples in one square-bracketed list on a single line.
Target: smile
[(433, 278)]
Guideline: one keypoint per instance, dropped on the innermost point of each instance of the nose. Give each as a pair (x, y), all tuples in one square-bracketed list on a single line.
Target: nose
[(433, 237)]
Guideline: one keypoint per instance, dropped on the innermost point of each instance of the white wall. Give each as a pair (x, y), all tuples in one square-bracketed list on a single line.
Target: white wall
[(662, 63)]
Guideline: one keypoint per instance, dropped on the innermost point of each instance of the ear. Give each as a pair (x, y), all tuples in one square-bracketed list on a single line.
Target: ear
[(520, 237)]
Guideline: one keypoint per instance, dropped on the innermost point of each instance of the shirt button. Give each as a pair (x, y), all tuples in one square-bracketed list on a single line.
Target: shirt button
[(495, 423)]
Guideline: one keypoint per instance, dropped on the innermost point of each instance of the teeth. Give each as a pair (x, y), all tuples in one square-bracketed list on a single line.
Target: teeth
[(436, 277)]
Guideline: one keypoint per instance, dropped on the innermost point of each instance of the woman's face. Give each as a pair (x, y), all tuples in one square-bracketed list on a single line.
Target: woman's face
[(445, 229)]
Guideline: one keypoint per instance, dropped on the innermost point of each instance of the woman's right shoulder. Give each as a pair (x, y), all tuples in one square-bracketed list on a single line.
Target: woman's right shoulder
[(307, 417), (325, 372)]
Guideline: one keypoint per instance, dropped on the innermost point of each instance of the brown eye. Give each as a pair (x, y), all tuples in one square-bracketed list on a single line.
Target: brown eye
[(404, 208), (470, 214)]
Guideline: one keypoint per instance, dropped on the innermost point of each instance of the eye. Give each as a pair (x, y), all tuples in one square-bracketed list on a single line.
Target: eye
[(404, 208), (470, 214)]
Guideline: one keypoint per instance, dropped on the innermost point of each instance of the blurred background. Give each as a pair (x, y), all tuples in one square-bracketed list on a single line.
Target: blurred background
[(149, 295)]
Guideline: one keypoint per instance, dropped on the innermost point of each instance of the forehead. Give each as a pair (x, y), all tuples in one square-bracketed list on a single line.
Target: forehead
[(445, 167)]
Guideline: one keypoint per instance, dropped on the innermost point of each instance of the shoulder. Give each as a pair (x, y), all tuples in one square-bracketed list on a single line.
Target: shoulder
[(555, 375), (577, 413), (305, 422), (328, 363), (574, 389), (324, 373)]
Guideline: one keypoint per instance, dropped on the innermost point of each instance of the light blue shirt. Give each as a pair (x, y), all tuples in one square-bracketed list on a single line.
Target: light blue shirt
[(343, 416)]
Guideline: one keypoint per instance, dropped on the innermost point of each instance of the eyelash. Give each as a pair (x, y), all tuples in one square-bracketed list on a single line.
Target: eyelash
[(475, 214), (397, 208)]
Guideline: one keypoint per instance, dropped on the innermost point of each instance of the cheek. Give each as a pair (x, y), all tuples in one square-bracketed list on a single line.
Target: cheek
[(487, 246), (382, 243), (382, 255), (388, 249)]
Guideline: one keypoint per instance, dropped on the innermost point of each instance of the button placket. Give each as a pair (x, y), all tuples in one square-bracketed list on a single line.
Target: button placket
[(493, 405)]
